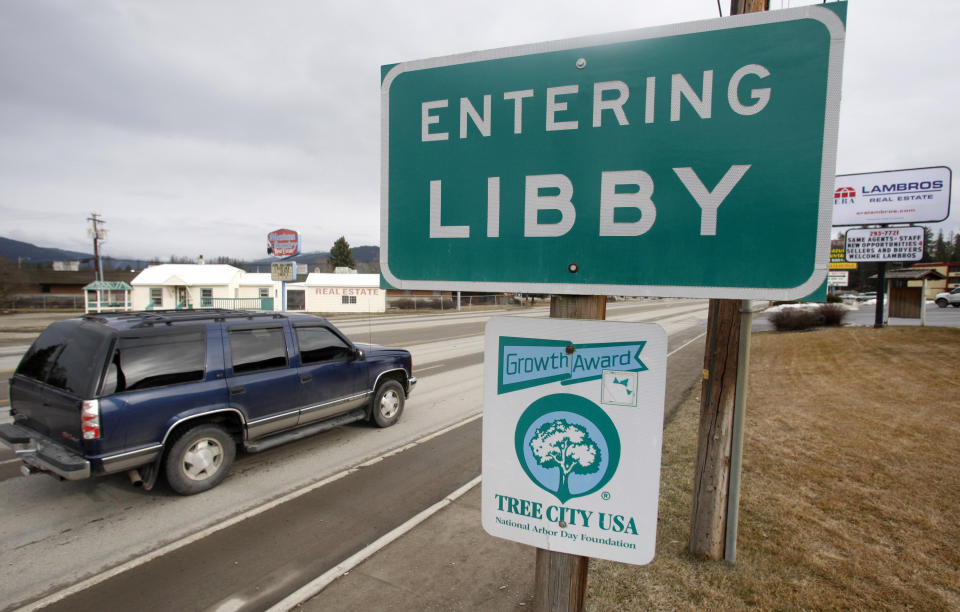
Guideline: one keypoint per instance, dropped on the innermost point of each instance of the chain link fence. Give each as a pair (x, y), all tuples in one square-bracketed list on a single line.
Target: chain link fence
[(43, 301), (467, 302)]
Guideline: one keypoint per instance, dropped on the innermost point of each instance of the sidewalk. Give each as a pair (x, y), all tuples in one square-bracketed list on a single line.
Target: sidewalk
[(448, 562)]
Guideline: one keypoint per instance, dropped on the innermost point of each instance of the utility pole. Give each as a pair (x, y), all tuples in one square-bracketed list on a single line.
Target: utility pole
[(561, 579), (97, 234), (723, 389)]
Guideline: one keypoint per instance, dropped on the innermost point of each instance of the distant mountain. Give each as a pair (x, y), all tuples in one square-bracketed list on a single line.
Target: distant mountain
[(361, 255), (367, 257), (33, 254)]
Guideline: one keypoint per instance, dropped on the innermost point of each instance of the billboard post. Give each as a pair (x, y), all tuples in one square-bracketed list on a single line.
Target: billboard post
[(284, 243)]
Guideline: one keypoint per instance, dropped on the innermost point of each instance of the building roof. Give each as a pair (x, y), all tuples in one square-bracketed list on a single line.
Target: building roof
[(912, 274), (187, 274), (82, 277), (256, 279), (107, 286), (325, 279)]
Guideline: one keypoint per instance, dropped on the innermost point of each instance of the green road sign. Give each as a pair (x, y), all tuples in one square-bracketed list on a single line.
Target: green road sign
[(688, 160)]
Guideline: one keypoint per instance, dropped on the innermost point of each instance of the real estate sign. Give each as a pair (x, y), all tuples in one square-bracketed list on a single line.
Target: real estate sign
[(885, 244), (572, 432), (919, 195), (694, 159)]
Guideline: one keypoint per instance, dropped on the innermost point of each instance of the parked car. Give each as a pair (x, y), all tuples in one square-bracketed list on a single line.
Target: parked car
[(950, 298), (177, 392)]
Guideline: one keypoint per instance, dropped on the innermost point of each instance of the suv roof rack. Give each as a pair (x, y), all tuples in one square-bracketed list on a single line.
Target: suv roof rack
[(148, 318)]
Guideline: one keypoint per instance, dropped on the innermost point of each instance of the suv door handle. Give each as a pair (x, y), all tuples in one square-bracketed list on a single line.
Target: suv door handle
[(237, 390), (306, 378)]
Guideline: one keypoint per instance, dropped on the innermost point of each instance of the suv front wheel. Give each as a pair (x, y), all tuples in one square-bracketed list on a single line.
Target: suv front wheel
[(200, 459), (387, 403)]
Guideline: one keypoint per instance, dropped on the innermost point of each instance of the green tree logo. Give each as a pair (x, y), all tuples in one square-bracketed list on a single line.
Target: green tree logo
[(568, 447)]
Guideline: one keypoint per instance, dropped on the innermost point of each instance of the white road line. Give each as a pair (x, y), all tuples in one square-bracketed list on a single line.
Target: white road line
[(173, 546), (319, 583), (686, 344)]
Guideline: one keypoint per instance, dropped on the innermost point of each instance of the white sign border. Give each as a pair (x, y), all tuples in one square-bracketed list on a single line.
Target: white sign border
[(827, 17)]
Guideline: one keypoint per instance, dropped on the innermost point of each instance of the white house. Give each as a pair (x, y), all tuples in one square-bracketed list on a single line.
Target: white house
[(168, 286), (171, 286), (259, 285), (340, 293)]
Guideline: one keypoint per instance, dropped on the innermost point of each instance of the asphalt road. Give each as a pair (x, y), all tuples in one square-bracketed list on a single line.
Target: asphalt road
[(161, 551)]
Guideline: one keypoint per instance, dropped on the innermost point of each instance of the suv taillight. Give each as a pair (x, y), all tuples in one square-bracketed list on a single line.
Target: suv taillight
[(90, 419)]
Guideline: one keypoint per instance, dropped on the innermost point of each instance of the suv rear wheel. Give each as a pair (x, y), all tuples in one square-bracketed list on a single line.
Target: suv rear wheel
[(200, 459), (387, 403)]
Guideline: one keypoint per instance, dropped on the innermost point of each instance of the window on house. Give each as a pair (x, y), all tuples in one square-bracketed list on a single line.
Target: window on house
[(264, 292), (206, 297), (156, 296), (348, 299)]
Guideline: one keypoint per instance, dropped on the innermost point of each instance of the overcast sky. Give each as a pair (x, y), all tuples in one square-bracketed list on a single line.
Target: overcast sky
[(199, 126)]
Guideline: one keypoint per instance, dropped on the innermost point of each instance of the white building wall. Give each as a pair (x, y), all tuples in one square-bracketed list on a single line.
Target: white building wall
[(358, 299), (222, 280), (358, 293), (140, 296)]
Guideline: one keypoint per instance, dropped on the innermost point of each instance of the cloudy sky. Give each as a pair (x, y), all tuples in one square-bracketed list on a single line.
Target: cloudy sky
[(199, 126)]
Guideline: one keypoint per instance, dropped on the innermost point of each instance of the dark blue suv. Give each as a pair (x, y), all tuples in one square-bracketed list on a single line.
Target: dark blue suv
[(177, 391)]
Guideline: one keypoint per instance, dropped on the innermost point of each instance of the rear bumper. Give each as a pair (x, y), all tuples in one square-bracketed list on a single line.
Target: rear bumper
[(43, 454)]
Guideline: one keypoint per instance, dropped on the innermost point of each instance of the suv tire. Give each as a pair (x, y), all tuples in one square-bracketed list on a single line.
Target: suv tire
[(387, 403), (942, 302), (200, 459)]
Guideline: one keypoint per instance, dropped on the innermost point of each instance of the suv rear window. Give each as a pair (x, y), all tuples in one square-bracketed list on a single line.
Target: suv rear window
[(142, 362), (67, 355)]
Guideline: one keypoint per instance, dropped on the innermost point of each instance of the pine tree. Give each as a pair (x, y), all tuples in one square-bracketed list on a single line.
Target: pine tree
[(928, 243), (940, 252), (341, 255)]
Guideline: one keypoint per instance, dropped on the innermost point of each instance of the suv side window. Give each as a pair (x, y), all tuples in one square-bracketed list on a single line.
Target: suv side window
[(142, 362), (319, 344), (257, 349)]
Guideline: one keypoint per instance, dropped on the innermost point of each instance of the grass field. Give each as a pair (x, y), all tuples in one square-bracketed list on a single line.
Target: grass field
[(851, 483)]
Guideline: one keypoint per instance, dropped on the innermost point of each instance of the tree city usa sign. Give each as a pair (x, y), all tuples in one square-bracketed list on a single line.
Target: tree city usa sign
[(572, 432), (688, 160)]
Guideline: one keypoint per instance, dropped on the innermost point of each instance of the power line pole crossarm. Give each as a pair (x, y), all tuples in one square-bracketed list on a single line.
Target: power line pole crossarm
[(97, 234)]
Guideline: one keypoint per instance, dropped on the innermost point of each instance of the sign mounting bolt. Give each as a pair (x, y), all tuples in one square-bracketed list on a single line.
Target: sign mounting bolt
[(572, 268), (581, 63)]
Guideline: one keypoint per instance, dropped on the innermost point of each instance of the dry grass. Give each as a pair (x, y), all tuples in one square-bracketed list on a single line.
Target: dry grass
[(851, 486)]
